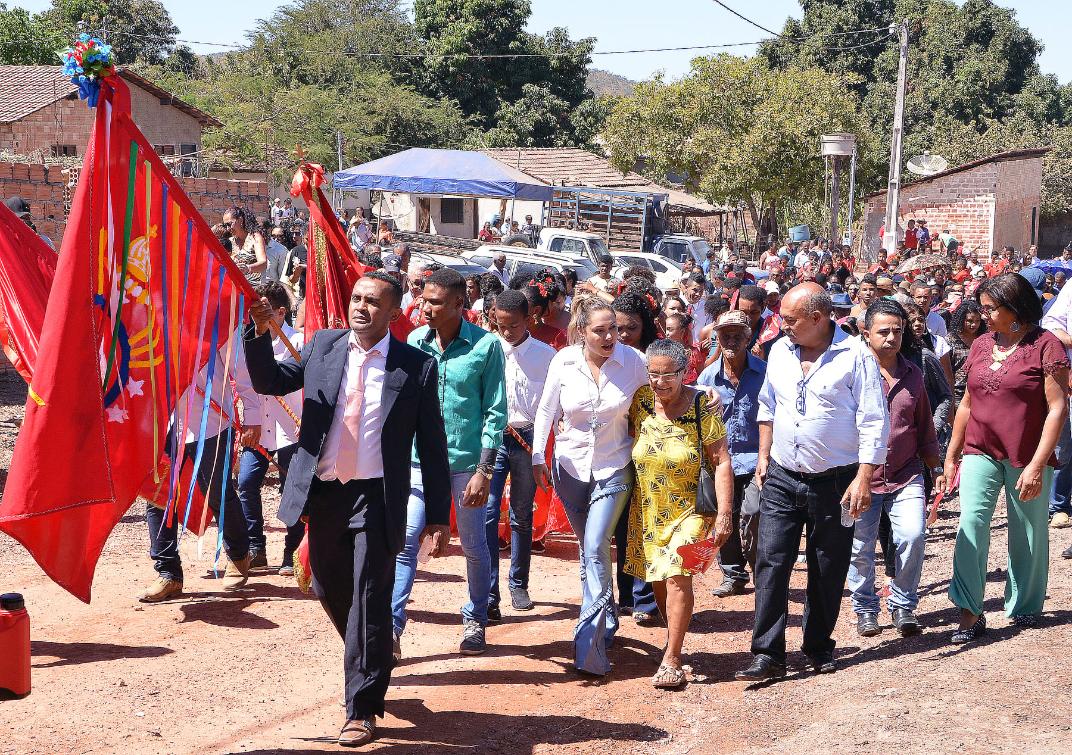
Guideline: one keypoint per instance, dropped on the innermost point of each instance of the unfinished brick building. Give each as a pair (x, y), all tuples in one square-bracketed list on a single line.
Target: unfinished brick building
[(986, 203)]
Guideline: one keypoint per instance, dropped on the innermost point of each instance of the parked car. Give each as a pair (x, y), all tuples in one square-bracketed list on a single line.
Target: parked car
[(667, 272), (521, 261), (581, 243), (462, 265), (679, 247)]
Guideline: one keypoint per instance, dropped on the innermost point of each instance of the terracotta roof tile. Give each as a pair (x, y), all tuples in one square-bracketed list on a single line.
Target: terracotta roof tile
[(30, 88), (570, 166)]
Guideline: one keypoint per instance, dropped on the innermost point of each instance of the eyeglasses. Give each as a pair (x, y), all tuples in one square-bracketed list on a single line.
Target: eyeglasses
[(802, 393), (986, 309), (657, 376)]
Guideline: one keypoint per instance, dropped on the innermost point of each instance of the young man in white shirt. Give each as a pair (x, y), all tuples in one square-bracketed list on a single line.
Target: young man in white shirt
[(527, 362), (269, 429)]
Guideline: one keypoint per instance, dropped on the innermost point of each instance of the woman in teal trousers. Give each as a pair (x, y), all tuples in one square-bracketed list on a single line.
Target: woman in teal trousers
[(1004, 436)]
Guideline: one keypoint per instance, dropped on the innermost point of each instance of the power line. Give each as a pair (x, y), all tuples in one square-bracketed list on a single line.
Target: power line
[(747, 20), (507, 56), (818, 35)]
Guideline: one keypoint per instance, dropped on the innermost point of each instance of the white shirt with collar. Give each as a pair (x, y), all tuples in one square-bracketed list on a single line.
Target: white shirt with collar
[(527, 365), (1059, 315), (278, 428), (700, 320), (502, 275), (592, 439), (845, 418), (370, 455), (191, 405), (936, 325)]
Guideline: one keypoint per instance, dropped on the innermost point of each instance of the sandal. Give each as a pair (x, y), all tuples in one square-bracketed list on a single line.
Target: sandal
[(668, 677)]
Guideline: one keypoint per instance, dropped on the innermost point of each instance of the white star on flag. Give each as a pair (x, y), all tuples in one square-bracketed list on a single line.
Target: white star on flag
[(117, 414), (134, 387)]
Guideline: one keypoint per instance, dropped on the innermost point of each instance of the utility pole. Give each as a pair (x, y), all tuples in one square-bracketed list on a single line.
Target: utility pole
[(893, 194), (338, 150)]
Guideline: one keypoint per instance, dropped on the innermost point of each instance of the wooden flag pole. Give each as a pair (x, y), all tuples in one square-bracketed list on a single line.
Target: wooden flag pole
[(278, 333)]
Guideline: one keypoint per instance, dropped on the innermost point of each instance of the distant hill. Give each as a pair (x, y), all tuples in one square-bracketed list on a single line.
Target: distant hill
[(605, 83)]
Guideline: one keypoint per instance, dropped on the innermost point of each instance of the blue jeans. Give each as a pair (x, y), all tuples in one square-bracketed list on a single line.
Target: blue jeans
[(513, 460), (907, 509), (593, 509), (252, 468), (471, 532), (1061, 492)]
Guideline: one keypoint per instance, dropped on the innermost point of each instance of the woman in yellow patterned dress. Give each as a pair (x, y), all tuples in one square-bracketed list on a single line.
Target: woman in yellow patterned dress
[(666, 453)]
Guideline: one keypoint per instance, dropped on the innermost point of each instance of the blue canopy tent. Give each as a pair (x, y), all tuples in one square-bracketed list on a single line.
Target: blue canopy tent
[(443, 171)]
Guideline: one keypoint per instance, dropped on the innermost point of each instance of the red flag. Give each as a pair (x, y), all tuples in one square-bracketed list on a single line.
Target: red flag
[(27, 267), (772, 328), (144, 294), (332, 268)]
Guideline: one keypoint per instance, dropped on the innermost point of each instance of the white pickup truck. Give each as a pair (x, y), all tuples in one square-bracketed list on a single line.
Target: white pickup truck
[(579, 243)]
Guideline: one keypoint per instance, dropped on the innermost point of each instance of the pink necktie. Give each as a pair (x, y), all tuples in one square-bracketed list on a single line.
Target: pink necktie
[(346, 463)]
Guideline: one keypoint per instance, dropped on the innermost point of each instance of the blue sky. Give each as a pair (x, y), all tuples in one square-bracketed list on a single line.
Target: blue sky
[(625, 24)]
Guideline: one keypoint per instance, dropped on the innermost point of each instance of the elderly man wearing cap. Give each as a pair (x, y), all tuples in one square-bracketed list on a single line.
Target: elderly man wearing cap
[(737, 376), (21, 208)]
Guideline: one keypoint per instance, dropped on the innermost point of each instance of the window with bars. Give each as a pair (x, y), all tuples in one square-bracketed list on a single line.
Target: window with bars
[(64, 150)]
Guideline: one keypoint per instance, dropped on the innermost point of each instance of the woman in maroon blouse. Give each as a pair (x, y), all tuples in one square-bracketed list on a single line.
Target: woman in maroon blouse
[(1006, 427)]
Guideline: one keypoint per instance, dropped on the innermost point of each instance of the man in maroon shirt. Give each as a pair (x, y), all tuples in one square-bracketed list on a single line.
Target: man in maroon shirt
[(897, 485)]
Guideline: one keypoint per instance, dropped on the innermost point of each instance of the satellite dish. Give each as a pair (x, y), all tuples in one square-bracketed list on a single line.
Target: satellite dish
[(927, 164)]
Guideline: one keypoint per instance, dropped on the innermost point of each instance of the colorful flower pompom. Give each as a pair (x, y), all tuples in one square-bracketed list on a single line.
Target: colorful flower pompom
[(87, 62)]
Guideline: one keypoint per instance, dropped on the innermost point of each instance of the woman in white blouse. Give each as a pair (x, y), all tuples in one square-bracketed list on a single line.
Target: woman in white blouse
[(586, 398)]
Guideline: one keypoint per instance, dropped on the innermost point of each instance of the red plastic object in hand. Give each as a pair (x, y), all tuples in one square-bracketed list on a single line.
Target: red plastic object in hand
[(14, 645), (697, 557)]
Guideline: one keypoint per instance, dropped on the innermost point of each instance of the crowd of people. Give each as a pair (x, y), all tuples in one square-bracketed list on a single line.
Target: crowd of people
[(813, 397)]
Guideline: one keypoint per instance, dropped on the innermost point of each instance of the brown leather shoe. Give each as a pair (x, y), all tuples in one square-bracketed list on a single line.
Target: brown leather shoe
[(357, 732), (236, 574), (160, 589)]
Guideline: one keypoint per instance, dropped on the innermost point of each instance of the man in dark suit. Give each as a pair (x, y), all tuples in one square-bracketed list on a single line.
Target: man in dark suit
[(367, 397)]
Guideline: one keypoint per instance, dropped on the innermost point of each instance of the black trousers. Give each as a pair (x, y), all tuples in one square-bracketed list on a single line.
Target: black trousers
[(790, 505), (353, 575)]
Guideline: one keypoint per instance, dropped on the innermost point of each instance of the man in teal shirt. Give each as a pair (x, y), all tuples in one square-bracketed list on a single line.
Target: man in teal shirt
[(472, 396)]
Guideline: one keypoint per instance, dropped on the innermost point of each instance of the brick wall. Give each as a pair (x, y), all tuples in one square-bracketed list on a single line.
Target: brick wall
[(68, 121), (963, 202), (1016, 217), (42, 186), (986, 207)]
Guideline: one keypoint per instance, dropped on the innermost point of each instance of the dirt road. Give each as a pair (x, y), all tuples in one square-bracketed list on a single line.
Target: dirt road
[(260, 671)]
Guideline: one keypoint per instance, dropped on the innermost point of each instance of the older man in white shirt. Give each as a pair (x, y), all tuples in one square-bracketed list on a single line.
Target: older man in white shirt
[(270, 429), (527, 362), (824, 426)]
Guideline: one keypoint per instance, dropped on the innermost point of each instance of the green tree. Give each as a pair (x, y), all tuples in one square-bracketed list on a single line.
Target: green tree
[(974, 84), (737, 129), (140, 31), (452, 30), (29, 39)]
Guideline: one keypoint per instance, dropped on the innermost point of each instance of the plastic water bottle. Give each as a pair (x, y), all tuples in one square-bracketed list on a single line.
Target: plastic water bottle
[(14, 646), (847, 519)]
